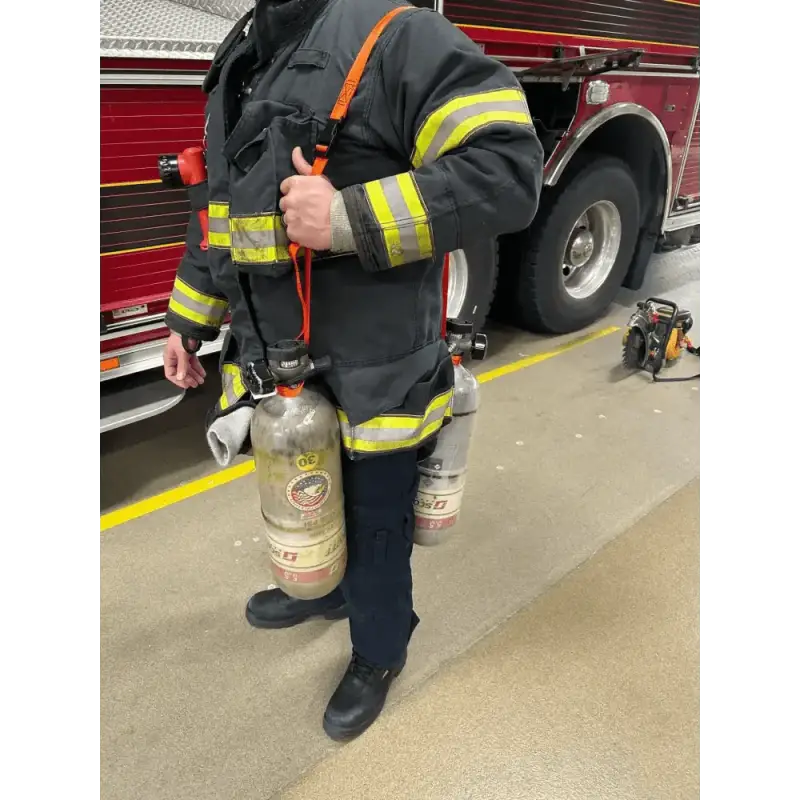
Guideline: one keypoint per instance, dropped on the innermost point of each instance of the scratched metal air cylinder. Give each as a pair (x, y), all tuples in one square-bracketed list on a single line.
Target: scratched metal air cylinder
[(443, 474), (296, 444)]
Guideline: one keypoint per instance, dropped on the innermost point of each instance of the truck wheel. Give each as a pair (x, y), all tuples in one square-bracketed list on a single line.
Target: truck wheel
[(473, 281), (580, 247)]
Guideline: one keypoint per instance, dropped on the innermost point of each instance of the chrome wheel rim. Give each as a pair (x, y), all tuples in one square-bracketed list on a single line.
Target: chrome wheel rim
[(591, 249)]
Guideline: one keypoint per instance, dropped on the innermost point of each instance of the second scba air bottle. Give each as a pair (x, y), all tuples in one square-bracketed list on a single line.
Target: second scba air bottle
[(443, 474)]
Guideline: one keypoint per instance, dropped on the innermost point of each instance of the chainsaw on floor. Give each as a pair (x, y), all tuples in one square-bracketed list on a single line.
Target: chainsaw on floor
[(656, 337)]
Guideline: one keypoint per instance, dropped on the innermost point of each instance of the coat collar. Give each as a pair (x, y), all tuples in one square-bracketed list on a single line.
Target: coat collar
[(276, 22)]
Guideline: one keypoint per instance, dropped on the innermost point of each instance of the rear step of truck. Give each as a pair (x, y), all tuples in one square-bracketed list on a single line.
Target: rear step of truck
[(134, 398), (132, 382)]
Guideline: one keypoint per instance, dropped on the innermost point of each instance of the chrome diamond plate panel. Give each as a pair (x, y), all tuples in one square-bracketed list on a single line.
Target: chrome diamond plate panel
[(230, 9), (166, 28)]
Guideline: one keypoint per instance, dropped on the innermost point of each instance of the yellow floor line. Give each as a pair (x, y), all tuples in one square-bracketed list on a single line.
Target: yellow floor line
[(515, 366), (143, 507), (220, 478)]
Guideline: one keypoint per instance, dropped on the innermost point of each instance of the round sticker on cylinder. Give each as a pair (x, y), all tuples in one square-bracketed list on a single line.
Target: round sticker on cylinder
[(308, 492)]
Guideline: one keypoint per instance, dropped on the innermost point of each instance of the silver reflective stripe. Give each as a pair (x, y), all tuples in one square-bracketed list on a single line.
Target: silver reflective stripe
[(389, 432), (450, 125), (393, 434), (213, 313), (405, 220), (454, 119), (218, 225), (402, 218), (257, 239)]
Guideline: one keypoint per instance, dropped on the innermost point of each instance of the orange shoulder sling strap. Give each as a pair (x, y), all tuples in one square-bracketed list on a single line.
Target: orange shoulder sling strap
[(323, 147)]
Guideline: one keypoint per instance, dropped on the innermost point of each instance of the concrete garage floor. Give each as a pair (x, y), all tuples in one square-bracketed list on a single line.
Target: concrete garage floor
[(590, 691)]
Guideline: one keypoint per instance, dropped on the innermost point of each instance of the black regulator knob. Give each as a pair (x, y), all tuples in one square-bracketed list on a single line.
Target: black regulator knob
[(288, 359), (480, 344), (290, 363)]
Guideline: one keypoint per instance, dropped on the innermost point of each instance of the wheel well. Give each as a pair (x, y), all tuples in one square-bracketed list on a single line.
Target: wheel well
[(635, 141), (552, 110), (631, 133)]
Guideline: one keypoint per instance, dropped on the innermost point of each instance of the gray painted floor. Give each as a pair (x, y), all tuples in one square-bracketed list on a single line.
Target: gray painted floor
[(195, 704), (592, 691)]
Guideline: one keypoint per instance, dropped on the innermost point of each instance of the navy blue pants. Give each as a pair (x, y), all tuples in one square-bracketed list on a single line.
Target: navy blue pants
[(379, 511)]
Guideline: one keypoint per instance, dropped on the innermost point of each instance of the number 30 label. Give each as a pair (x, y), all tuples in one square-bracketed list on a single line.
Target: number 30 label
[(307, 461)]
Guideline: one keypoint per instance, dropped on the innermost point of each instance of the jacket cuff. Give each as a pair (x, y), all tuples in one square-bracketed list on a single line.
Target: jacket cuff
[(194, 313), (184, 328), (390, 222), (353, 202)]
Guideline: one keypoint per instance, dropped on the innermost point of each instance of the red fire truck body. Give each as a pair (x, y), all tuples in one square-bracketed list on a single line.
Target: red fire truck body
[(613, 88)]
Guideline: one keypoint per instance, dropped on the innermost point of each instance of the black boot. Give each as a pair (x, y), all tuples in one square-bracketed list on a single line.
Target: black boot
[(273, 608), (358, 699)]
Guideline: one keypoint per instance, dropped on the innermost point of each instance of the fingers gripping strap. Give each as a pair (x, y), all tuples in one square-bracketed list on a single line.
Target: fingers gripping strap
[(338, 114)]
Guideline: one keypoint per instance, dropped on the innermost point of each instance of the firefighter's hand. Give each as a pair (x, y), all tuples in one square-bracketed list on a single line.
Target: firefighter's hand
[(306, 206), (182, 369)]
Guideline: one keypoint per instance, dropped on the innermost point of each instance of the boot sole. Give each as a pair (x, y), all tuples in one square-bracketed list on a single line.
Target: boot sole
[(341, 734), (264, 624)]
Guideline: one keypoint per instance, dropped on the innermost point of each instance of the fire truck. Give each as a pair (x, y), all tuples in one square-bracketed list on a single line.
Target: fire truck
[(614, 91)]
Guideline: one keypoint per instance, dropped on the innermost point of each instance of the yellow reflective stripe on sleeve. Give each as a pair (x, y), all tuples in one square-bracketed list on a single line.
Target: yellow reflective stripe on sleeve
[(198, 307), (384, 218), (212, 302), (413, 200), (233, 388), (453, 123), (219, 229), (399, 210), (391, 432), (259, 240)]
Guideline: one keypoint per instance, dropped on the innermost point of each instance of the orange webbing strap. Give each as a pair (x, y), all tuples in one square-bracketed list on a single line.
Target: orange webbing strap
[(359, 65), (338, 114)]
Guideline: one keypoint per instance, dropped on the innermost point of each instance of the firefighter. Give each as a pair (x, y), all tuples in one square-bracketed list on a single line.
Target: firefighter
[(437, 152)]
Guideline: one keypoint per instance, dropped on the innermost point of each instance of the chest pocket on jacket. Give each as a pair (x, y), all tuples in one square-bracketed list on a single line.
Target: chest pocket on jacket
[(259, 155)]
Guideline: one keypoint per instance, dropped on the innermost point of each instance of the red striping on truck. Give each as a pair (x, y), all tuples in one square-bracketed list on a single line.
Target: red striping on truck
[(648, 21)]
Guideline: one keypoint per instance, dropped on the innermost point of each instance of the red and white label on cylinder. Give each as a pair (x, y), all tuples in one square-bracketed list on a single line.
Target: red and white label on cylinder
[(438, 502), (302, 558)]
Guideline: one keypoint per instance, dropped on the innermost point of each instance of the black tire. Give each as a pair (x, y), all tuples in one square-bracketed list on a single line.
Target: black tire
[(541, 300), (481, 282)]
